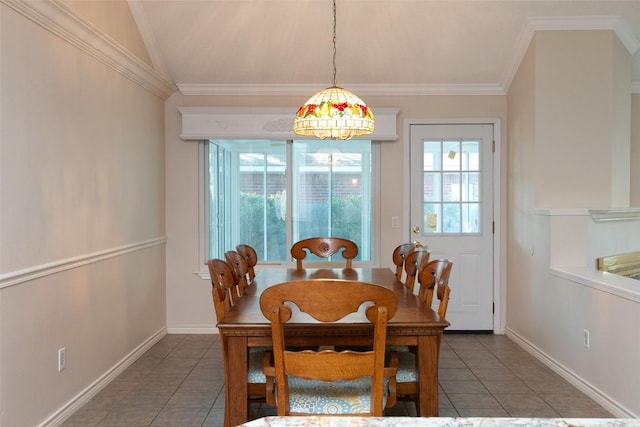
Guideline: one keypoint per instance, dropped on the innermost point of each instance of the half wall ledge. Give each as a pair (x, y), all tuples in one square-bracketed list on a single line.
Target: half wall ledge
[(600, 215), (610, 283)]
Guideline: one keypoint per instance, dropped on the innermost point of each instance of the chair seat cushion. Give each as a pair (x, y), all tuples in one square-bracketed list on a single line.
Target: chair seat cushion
[(255, 375), (406, 367), (331, 398)]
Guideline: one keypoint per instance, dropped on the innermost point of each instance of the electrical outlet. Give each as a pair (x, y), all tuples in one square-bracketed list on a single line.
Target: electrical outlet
[(62, 358), (586, 339)]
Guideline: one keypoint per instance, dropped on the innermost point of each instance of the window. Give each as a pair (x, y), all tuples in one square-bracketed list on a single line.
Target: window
[(271, 193), (451, 187)]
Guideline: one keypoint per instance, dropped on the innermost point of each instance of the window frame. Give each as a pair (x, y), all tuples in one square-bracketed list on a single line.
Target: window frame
[(204, 213)]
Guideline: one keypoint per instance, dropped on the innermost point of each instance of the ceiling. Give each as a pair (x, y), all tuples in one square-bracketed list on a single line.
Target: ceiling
[(383, 46)]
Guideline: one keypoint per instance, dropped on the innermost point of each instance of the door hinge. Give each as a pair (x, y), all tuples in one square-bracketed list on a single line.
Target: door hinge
[(493, 147), (493, 308), (493, 224)]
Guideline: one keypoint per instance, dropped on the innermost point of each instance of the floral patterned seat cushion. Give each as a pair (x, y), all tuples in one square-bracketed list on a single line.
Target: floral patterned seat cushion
[(331, 398), (255, 375), (406, 367)]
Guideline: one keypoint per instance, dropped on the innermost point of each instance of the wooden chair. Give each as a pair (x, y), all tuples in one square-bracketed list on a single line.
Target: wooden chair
[(252, 259), (240, 270), (324, 247), (327, 381), (433, 279), (222, 274), (414, 261), (225, 296), (399, 255)]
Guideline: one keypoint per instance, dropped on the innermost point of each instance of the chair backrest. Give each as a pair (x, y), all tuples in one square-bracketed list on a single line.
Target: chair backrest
[(240, 270), (222, 276), (324, 247), (434, 279), (399, 255), (221, 302), (252, 259), (219, 292), (328, 301), (413, 263)]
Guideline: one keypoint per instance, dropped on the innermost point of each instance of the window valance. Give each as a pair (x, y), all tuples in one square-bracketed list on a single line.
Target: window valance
[(264, 123)]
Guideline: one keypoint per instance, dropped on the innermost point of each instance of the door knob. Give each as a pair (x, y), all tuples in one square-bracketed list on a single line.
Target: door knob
[(416, 230)]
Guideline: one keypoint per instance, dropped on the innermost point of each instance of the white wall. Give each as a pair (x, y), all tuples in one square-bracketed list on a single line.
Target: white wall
[(189, 306), (82, 253)]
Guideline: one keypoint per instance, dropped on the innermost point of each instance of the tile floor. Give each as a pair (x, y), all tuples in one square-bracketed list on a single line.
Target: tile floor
[(179, 382)]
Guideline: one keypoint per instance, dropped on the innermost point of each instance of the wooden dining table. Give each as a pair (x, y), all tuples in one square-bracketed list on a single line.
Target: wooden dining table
[(414, 324)]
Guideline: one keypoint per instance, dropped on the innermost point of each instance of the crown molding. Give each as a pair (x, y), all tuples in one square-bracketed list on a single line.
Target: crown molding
[(613, 23), (360, 89), (59, 19), (570, 23)]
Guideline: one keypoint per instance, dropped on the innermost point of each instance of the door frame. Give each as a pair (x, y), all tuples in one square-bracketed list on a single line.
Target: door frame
[(499, 209)]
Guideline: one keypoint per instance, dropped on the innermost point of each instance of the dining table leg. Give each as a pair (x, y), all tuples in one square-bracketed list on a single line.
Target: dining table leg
[(427, 357), (236, 388)]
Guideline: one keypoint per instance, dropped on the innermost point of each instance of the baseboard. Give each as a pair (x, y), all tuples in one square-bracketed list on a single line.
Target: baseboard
[(83, 397), (589, 389), (192, 329)]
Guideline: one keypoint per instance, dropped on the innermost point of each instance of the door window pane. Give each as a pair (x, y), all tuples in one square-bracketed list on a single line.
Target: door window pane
[(451, 217), (432, 187), (470, 217), (432, 218)]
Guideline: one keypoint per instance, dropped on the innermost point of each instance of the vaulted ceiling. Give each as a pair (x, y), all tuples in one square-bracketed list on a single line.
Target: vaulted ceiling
[(383, 46)]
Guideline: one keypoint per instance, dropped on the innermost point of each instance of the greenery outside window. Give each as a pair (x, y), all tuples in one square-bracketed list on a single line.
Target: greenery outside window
[(271, 193)]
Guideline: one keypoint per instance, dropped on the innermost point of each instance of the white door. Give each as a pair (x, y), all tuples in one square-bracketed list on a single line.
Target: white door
[(452, 213)]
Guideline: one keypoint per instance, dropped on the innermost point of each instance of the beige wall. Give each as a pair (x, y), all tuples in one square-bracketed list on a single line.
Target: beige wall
[(189, 306), (549, 305), (82, 253), (635, 151), (577, 108), (521, 232), (114, 18)]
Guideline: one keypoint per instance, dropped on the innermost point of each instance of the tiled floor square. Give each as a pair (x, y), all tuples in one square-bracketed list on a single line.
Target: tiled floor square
[(473, 386), (181, 416), (457, 374), (505, 386), (474, 401), (529, 400)]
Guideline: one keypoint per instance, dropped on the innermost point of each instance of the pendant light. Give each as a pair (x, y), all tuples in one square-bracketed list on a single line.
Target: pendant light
[(334, 112)]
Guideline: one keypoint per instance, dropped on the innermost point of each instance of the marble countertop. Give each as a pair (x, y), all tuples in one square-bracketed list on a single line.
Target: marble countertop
[(338, 421)]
